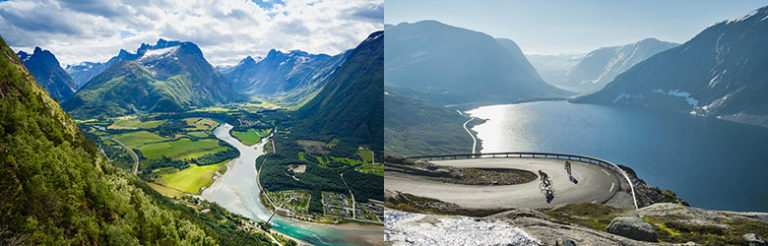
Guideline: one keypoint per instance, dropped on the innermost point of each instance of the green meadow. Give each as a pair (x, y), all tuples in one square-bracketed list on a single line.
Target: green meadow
[(191, 179), (251, 136), (180, 149)]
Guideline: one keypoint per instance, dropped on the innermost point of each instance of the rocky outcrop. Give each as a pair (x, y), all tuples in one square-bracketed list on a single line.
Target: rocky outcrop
[(754, 240), (648, 194), (632, 227), (551, 231)]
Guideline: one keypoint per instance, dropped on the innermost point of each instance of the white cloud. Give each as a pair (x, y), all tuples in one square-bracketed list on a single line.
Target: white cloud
[(226, 30)]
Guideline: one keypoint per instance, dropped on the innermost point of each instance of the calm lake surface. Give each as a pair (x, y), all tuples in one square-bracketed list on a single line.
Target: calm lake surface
[(710, 163)]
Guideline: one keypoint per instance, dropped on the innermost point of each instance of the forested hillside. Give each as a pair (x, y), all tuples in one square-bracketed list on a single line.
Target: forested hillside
[(57, 189)]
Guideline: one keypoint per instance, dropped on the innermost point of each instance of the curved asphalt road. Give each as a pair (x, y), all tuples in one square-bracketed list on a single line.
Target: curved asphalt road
[(135, 170), (595, 184)]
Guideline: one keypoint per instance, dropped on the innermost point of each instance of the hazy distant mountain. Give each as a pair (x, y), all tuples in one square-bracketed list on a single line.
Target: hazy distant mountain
[(460, 65), (85, 71), (601, 66), (350, 103), (555, 68), (297, 73), (720, 72), (166, 77), (48, 73)]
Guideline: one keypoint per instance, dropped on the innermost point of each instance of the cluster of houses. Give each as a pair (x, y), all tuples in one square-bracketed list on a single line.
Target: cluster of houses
[(335, 204), (370, 211)]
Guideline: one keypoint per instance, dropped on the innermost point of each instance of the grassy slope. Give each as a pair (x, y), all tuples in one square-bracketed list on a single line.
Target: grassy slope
[(412, 127)]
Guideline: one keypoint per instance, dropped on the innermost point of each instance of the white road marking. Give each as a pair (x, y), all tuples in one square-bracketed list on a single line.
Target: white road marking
[(611, 189), (606, 172)]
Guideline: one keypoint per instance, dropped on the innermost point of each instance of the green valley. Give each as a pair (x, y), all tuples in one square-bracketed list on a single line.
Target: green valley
[(59, 190), (177, 155), (327, 148)]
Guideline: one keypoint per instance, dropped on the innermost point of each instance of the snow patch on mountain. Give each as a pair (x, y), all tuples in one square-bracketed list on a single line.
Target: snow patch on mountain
[(158, 53), (679, 93), (744, 17), (623, 96), (403, 228)]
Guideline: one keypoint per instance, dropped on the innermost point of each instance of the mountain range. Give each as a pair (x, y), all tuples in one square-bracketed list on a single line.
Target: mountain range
[(166, 77), (85, 71), (720, 72), (48, 73), (555, 68), (457, 65), (599, 67), (293, 75)]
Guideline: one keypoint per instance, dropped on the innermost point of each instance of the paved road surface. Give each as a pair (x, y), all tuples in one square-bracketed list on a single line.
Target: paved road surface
[(135, 156), (595, 184)]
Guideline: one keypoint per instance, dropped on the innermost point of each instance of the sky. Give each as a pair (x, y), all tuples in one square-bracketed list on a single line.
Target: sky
[(226, 30), (573, 27)]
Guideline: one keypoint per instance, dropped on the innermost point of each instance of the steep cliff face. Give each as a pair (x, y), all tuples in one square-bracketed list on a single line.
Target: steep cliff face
[(601, 66), (459, 65), (48, 73), (719, 73)]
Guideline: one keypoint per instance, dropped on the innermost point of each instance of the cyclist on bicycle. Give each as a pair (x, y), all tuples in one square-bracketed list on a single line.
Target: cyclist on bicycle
[(544, 178), (568, 167)]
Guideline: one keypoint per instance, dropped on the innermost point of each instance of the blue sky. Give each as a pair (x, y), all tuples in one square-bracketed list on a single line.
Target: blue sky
[(226, 30), (567, 27)]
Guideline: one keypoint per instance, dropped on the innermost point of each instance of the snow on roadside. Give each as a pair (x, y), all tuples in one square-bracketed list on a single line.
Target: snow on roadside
[(404, 228)]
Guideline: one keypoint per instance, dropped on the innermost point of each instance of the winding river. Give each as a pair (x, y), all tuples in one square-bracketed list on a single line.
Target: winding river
[(237, 191)]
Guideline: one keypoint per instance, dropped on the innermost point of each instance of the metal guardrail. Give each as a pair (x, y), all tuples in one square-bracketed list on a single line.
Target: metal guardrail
[(543, 155)]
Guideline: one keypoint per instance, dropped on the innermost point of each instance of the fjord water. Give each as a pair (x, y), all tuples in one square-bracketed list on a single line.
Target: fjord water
[(710, 163), (238, 191)]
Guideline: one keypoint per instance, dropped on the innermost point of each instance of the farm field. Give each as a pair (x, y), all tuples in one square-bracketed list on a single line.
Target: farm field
[(135, 124), (366, 155), (136, 139), (377, 169), (200, 124), (191, 179), (251, 136), (166, 191), (186, 142), (179, 149)]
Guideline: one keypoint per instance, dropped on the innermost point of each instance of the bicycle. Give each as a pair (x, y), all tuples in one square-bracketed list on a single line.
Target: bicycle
[(546, 187)]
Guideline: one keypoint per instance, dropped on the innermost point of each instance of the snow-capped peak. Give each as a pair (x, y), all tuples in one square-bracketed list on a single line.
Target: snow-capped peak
[(744, 17), (158, 53), (374, 36)]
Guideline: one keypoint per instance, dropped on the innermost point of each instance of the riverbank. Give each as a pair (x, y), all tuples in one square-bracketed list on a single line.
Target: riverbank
[(238, 191)]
